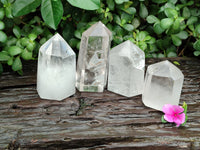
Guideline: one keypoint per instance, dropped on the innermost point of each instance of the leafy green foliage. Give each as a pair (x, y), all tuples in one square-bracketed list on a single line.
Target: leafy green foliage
[(86, 4), (23, 7), (160, 28), (52, 12)]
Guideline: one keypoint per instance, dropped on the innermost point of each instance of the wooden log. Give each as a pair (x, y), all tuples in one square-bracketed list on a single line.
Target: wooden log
[(94, 120)]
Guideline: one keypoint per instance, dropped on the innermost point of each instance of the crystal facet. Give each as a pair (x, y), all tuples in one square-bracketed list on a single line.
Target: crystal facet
[(126, 69), (92, 63), (56, 73), (163, 84)]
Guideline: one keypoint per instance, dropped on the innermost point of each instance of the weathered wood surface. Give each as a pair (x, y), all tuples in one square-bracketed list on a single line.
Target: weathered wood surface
[(93, 120)]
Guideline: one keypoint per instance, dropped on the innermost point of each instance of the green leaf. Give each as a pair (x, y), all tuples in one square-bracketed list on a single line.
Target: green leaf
[(196, 46), (117, 19), (166, 23), (17, 31), (176, 63), (182, 35), (32, 36), (9, 12), (24, 41), (26, 55), (14, 50), (186, 118), (3, 36), (176, 40), (197, 29), (73, 42), (85, 4), (194, 11), (163, 120), (31, 46), (1, 68), (128, 27), (141, 36), (136, 23), (10, 61), (119, 1), (152, 19), (176, 25), (171, 13), (196, 53), (143, 12), (2, 13), (23, 7), (161, 55), (2, 25), (186, 12), (37, 30), (171, 54), (159, 1), (147, 38), (142, 45), (77, 34), (158, 29), (130, 10), (185, 107), (52, 12), (111, 4), (173, 1), (192, 20), (17, 64), (4, 57)]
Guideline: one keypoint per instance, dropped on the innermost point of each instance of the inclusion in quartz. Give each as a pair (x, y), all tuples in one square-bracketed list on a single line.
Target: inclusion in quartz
[(163, 85), (92, 63), (126, 69), (56, 74)]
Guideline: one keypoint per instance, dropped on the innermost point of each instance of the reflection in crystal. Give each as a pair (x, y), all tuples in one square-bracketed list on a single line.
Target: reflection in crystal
[(93, 57)]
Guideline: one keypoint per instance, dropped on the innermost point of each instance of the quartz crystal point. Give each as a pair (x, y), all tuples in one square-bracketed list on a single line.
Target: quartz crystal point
[(126, 69), (92, 63), (163, 84), (56, 73)]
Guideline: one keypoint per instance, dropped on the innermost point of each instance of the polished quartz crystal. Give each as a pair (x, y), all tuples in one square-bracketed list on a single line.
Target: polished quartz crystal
[(56, 74), (92, 63), (126, 69), (163, 84)]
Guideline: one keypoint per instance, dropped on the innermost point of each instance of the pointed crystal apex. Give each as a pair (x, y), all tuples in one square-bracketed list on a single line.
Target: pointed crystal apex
[(126, 69), (98, 29), (163, 85), (165, 69), (57, 46)]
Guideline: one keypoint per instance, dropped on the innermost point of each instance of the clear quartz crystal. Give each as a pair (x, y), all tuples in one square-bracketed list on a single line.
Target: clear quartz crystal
[(163, 85), (56, 74), (92, 63), (126, 69)]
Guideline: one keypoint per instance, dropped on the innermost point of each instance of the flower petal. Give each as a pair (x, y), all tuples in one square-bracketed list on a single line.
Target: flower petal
[(169, 118), (168, 109), (178, 109), (180, 119)]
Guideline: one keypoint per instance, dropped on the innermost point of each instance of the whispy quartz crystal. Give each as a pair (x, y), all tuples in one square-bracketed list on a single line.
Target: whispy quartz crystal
[(92, 63), (163, 84), (56, 74), (126, 69)]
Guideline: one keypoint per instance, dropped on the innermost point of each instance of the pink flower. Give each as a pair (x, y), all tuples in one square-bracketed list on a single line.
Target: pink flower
[(174, 113)]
